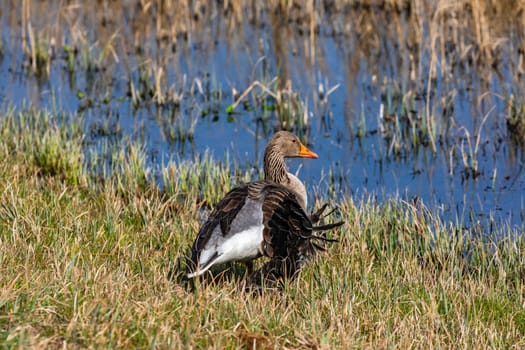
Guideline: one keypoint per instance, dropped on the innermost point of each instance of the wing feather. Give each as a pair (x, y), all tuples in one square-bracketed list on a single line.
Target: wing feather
[(223, 214), (288, 234), (288, 238)]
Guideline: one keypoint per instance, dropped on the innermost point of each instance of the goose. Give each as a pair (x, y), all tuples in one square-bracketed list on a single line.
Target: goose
[(242, 225)]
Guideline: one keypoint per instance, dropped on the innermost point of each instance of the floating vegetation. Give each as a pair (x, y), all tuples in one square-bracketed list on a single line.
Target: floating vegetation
[(516, 119)]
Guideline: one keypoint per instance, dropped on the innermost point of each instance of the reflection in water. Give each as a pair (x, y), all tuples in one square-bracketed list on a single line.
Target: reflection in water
[(412, 98)]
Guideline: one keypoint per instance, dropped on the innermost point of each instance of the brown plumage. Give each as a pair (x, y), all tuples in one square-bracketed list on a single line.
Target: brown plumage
[(260, 218), (290, 241)]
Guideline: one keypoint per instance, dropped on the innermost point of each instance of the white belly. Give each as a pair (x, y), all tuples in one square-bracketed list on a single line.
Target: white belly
[(245, 245), (242, 242)]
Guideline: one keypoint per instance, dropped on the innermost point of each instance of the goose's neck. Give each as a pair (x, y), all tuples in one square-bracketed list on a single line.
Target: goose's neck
[(274, 166)]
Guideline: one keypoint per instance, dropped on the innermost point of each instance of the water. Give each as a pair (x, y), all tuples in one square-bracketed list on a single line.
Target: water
[(362, 151)]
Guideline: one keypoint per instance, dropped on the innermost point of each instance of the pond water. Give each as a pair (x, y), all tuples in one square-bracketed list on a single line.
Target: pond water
[(396, 101)]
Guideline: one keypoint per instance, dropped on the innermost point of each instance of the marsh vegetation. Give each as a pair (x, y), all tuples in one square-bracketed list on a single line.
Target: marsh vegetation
[(122, 122)]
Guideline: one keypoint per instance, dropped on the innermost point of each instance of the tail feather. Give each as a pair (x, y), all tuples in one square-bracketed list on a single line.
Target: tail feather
[(328, 226), (196, 269), (316, 216)]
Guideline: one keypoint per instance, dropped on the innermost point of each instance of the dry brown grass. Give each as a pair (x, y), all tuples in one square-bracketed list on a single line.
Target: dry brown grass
[(480, 35)]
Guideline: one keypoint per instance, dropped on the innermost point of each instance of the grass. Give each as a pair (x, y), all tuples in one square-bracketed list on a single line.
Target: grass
[(92, 239), (95, 261)]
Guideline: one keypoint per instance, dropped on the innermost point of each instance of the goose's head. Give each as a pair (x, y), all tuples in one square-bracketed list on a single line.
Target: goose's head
[(288, 145)]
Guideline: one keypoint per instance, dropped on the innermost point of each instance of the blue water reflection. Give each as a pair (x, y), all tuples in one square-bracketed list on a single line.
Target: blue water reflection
[(207, 75)]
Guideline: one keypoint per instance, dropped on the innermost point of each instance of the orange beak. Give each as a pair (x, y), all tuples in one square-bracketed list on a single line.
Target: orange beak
[(306, 153)]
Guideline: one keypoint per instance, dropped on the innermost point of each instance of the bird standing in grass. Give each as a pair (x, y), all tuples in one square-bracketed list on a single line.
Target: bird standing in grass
[(265, 217)]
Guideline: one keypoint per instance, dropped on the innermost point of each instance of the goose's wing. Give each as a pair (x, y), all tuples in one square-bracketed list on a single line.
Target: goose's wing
[(285, 223), (287, 229), (288, 233), (222, 215)]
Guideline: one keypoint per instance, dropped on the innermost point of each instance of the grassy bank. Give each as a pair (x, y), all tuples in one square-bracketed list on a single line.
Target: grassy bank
[(90, 254)]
